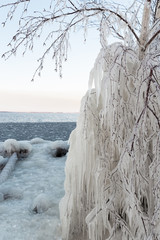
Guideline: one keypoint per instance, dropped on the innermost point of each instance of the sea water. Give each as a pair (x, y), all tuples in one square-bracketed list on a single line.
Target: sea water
[(40, 174)]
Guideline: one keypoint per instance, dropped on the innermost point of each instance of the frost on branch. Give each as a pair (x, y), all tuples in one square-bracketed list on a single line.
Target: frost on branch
[(54, 25), (112, 185), (8, 168)]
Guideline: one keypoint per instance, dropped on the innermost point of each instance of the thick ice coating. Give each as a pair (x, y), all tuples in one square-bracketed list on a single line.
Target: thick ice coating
[(22, 148), (112, 170)]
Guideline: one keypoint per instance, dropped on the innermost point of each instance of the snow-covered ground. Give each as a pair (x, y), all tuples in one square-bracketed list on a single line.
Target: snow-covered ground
[(29, 198)]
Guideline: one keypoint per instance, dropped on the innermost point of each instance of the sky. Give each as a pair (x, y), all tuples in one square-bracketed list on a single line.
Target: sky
[(47, 93)]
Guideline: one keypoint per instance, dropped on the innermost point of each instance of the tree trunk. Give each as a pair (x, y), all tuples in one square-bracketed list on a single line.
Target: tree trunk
[(144, 28)]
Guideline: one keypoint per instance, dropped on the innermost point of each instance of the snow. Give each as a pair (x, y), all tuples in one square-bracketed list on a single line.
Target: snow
[(30, 194)]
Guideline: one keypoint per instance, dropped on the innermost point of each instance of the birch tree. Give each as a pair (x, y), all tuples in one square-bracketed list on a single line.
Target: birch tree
[(112, 188)]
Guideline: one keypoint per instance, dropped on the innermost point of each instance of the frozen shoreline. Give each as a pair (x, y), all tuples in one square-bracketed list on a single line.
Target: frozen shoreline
[(39, 175)]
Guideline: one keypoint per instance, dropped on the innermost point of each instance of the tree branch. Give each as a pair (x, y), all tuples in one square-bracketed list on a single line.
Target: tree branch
[(151, 39)]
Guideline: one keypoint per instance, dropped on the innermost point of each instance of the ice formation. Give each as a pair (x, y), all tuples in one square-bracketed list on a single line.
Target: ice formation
[(10, 192), (59, 148), (41, 203), (112, 180), (35, 186), (10, 146), (3, 162), (12, 150), (25, 149), (8, 167)]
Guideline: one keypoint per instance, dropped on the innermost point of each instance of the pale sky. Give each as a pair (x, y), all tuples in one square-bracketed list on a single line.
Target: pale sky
[(47, 93)]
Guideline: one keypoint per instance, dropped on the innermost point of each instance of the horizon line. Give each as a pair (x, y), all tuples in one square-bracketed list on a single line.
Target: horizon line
[(33, 112)]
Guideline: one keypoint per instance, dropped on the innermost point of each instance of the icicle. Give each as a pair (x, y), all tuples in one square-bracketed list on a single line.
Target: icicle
[(112, 170)]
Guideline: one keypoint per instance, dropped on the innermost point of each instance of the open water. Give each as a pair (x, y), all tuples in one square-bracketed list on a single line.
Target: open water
[(26, 126)]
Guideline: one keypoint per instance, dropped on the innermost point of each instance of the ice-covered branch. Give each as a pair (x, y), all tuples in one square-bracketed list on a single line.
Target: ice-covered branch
[(151, 39), (13, 3), (13, 6), (112, 18), (8, 168)]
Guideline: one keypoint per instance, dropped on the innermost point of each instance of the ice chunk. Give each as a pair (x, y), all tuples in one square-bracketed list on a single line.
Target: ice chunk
[(41, 203), (10, 146), (10, 192)]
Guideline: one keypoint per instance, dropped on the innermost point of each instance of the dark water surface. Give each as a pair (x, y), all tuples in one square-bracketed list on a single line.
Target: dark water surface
[(46, 130)]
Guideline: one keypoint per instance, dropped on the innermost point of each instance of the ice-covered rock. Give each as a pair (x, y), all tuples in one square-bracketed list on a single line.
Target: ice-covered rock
[(11, 192), (41, 203), (22, 148), (10, 146), (59, 148)]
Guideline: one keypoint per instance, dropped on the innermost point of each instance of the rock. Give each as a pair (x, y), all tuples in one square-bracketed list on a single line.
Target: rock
[(60, 152)]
